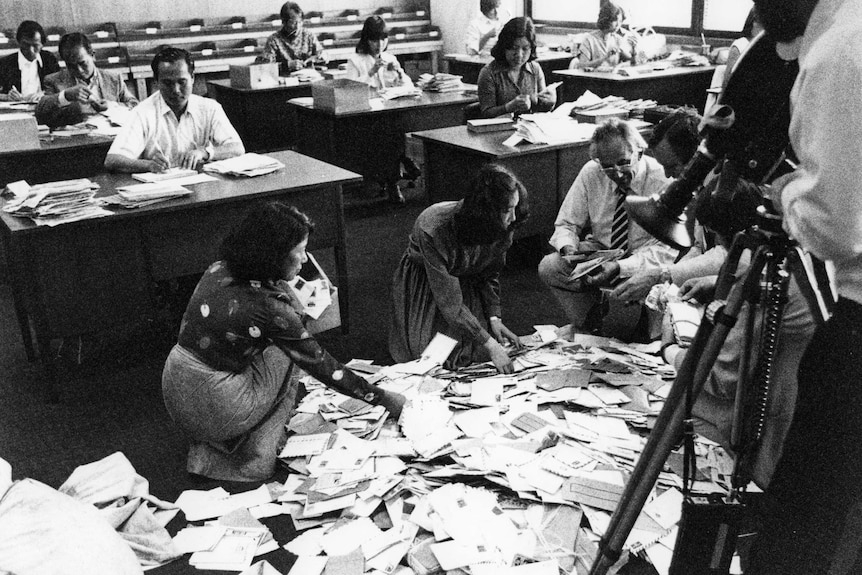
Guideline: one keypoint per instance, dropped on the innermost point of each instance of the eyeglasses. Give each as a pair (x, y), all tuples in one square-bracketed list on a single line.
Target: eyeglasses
[(620, 165)]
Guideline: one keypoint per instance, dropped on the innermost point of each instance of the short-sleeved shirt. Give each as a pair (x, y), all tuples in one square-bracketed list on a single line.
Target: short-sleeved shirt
[(153, 127), (496, 86), (229, 321), (481, 25), (281, 48), (597, 44)]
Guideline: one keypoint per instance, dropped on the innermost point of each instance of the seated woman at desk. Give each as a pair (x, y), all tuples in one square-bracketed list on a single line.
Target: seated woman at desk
[(607, 46), (293, 47), (482, 30), (227, 382), (514, 82), (372, 64), (448, 279)]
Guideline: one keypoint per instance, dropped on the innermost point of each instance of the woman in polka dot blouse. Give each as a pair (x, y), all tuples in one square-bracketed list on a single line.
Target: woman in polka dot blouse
[(227, 382)]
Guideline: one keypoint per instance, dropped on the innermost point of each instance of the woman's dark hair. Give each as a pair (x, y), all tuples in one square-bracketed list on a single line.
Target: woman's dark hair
[(486, 6), (608, 13), (521, 27), (257, 247), (374, 29), (488, 195)]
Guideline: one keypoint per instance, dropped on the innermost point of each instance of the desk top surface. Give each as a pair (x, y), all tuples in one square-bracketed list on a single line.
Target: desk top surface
[(225, 85), (490, 143), (425, 100), (633, 74), (57, 144), (300, 173), (549, 56)]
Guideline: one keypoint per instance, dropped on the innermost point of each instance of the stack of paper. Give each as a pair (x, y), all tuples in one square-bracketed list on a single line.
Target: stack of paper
[(400, 92), (440, 82), (139, 195), (56, 202), (248, 164)]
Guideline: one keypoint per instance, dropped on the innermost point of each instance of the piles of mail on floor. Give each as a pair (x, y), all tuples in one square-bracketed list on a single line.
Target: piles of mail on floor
[(485, 473)]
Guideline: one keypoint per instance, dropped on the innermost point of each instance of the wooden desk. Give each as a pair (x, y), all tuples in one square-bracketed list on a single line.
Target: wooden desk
[(454, 155), (83, 276), (680, 85), (468, 67), (370, 142), (261, 116), (56, 159)]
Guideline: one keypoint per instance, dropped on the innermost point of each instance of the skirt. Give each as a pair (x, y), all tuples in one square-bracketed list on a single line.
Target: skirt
[(236, 421)]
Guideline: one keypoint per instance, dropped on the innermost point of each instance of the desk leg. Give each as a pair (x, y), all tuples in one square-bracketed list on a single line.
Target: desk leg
[(15, 269), (340, 250), (435, 61), (142, 89)]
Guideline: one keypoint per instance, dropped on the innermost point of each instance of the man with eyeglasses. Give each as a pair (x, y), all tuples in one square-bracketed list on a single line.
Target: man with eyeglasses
[(591, 218)]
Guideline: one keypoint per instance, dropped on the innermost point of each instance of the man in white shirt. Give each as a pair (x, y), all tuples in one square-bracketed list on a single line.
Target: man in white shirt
[(22, 73), (586, 220), (173, 127), (482, 30), (812, 520)]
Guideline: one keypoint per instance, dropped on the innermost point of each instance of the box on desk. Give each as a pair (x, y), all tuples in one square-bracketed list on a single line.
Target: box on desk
[(254, 76), (18, 132), (341, 95)]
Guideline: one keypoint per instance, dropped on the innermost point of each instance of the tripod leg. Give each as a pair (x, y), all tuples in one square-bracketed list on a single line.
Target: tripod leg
[(693, 373)]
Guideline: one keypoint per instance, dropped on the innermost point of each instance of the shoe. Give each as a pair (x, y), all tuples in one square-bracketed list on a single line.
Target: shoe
[(394, 195), (409, 169)]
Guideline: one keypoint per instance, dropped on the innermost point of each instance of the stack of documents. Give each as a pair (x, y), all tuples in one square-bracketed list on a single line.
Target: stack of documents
[(55, 202), (400, 92), (545, 128), (249, 165), (140, 195), (440, 82)]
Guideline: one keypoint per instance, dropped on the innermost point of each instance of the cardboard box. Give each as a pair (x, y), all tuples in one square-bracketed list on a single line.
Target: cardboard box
[(18, 132), (341, 95), (254, 76)]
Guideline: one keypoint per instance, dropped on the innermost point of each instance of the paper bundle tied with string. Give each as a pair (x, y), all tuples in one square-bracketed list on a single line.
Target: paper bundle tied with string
[(319, 299)]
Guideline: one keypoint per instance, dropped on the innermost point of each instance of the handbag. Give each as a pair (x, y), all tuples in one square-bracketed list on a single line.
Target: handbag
[(649, 45)]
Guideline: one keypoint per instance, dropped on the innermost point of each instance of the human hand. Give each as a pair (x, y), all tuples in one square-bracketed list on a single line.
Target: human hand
[(15, 95), (192, 159), (603, 274), (519, 103), (77, 93), (159, 163), (700, 289), (638, 286), (99, 105), (502, 333), (499, 357), (34, 97)]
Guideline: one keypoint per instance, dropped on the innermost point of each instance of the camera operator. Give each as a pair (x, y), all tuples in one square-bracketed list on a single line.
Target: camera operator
[(813, 520)]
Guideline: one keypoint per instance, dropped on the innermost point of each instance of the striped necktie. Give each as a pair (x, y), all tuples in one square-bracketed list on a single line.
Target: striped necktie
[(620, 226)]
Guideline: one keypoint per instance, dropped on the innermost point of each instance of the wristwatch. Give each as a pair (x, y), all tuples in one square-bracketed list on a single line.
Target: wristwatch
[(664, 275)]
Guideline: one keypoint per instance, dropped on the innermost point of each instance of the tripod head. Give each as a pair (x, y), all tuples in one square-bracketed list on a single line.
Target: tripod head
[(747, 130)]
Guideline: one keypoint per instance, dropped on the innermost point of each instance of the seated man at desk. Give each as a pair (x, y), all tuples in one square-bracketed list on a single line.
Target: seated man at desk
[(173, 127), (293, 47), (593, 217), (82, 89), (22, 73), (483, 29)]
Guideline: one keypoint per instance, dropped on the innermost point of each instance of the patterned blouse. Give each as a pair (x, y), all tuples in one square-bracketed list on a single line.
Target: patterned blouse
[(228, 321), (291, 51)]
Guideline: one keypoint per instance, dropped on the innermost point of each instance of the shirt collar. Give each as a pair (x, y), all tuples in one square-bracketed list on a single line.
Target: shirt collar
[(24, 62), (162, 107)]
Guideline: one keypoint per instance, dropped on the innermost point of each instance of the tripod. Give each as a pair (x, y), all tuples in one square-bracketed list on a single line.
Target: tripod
[(775, 256)]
